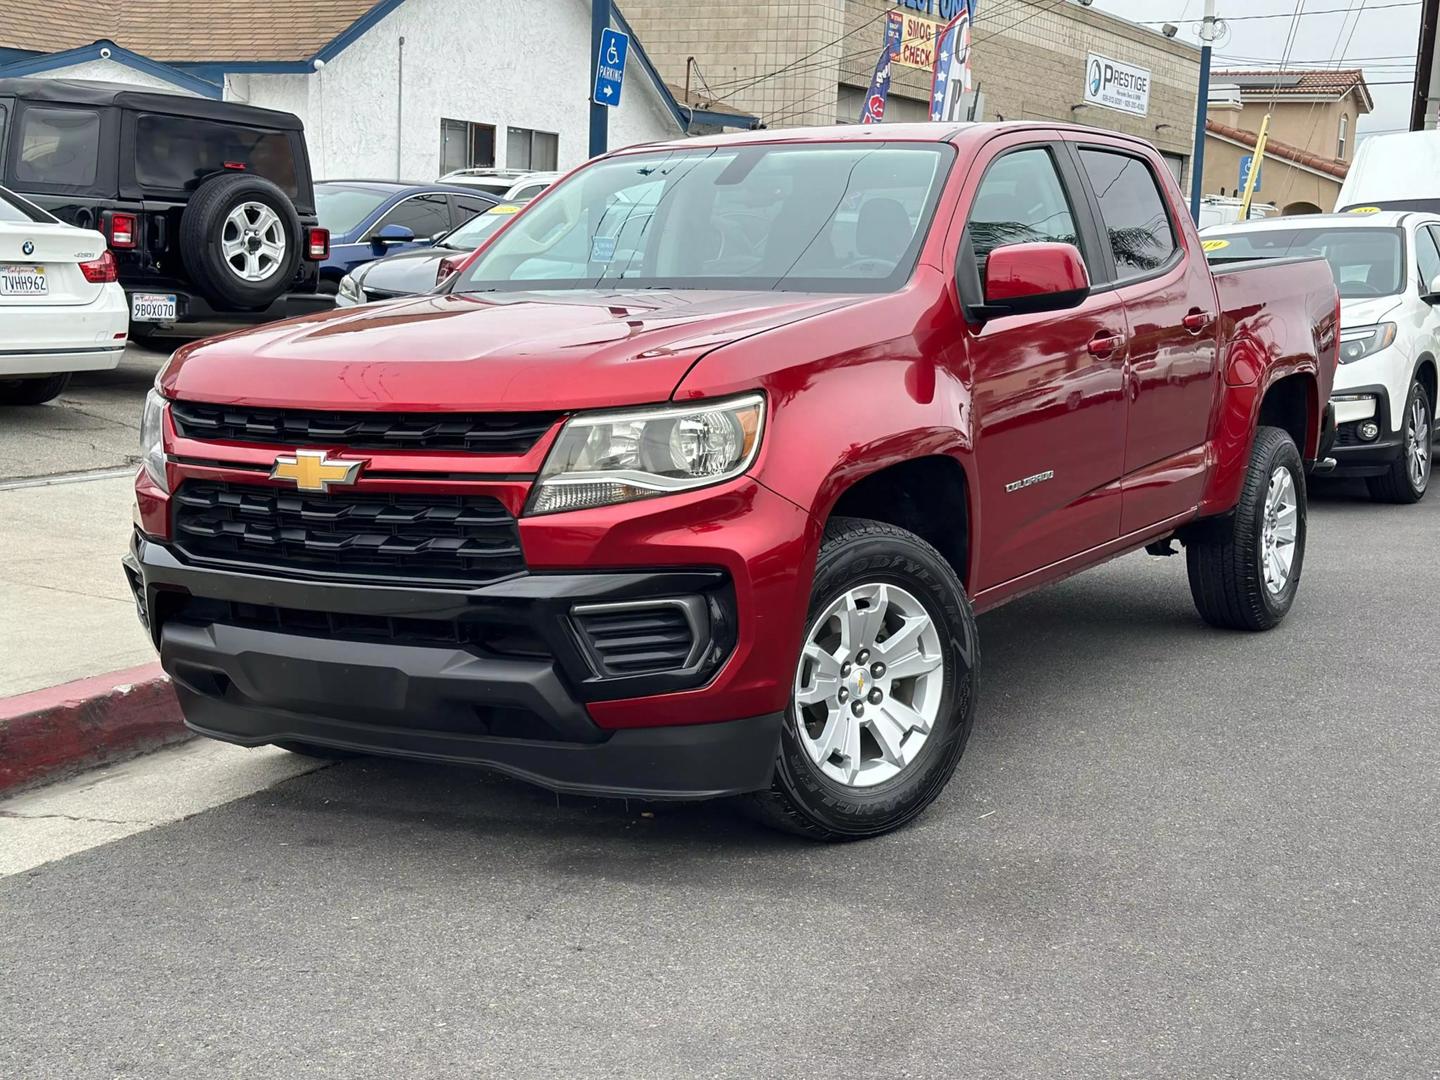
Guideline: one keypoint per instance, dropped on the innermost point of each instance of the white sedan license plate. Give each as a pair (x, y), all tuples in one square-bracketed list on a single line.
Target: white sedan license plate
[(23, 281), (152, 307)]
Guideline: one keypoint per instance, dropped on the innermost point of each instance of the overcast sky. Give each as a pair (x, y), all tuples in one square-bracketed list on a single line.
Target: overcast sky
[(1372, 28)]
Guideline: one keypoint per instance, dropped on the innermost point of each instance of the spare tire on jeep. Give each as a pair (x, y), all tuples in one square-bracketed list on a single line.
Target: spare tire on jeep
[(240, 238)]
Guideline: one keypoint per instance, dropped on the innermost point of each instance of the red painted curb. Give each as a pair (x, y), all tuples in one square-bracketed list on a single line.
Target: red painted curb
[(47, 733)]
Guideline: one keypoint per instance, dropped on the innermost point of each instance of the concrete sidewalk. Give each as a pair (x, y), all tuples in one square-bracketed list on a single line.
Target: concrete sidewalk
[(68, 613)]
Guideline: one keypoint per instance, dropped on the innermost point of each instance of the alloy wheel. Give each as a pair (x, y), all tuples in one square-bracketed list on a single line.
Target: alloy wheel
[(253, 241), (1280, 531), (868, 687), (1417, 443)]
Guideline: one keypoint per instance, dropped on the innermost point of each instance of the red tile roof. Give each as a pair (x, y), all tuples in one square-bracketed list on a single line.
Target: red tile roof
[(1283, 150), (1332, 82)]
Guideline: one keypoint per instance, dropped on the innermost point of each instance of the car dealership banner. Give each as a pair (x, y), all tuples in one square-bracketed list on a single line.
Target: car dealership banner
[(873, 109), (917, 42), (1113, 85), (950, 81)]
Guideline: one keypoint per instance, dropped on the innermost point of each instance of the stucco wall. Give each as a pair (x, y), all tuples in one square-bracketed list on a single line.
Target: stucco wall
[(484, 61), (1281, 182), (110, 71)]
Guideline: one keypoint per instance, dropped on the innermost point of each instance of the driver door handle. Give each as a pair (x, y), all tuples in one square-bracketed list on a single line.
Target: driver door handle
[(1104, 344), (1196, 321)]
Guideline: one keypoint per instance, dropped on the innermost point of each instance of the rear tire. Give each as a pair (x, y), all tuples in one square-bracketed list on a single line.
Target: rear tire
[(896, 755), (1236, 563), (1409, 476), (33, 391)]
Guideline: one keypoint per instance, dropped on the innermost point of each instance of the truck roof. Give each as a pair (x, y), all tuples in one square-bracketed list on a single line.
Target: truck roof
[(107, 94), (925, 131)]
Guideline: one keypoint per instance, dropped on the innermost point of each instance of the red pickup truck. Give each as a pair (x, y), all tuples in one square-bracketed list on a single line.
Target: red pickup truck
[(694, 481)]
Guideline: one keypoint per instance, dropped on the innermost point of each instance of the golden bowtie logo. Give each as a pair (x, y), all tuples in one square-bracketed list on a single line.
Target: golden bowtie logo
[(311, 470)]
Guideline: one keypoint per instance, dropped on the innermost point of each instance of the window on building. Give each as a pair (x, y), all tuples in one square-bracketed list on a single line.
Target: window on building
[(464, 145), (1133, 210), (59, 147), (537, 151), (1344, 134), (1020, 201), (423, 215)]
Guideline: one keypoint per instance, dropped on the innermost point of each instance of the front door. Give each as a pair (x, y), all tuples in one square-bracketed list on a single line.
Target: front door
[(1049, 418), (1172, 370)]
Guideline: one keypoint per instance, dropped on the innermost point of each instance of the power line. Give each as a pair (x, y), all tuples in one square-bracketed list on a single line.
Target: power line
[(1283, 15)]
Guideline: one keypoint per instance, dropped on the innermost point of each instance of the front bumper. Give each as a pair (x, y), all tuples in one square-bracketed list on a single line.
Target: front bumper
[(1357, 457), (255, 661)]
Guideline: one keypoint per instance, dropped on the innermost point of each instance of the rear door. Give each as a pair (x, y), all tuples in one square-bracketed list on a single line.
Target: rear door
[(1171, 369), (1049, 417)]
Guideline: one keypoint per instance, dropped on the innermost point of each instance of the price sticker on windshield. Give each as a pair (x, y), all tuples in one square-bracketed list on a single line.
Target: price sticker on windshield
[(1364, 210), (1214, 245)]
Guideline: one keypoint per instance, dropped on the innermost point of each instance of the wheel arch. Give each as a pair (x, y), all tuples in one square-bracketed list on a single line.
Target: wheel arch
[(1292, 403), (1426, 372), (930, 496)]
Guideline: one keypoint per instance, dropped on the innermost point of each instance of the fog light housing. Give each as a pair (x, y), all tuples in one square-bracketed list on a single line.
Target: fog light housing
[(1369, 431)]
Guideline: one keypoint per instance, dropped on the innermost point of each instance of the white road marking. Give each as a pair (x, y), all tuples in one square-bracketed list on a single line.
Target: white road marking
[(117, 801)]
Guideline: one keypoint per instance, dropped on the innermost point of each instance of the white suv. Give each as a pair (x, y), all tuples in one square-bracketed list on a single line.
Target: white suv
[(511, 185), (1387, 266)]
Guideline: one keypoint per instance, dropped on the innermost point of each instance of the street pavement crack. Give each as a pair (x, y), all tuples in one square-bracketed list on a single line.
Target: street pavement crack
[(17, 816)]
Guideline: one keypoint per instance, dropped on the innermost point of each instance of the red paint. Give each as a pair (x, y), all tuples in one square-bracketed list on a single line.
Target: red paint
[(47, 733), (1025, 270), (1114, 408)]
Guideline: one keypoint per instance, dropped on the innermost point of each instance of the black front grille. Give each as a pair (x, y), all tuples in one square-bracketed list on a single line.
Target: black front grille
[(491, 635), (638, 639), (427, 539), (476, 433)]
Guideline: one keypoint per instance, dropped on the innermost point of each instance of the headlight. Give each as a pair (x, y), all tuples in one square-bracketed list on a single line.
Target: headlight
[(349, 290), (152, 439), (1358, 342), (615, 457)]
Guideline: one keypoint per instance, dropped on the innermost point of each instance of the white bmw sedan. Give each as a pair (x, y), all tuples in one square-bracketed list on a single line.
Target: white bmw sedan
[(61, 307)]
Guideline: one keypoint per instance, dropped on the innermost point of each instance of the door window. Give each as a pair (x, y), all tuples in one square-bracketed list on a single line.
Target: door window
[(1020, 201), (1428, 256), (58, 146), (466, 207), (424, 215), (1133, 212)]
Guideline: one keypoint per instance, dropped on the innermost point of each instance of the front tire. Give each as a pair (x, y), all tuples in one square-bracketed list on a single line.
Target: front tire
[(1409, 476), (884, 693), (1244, 569)]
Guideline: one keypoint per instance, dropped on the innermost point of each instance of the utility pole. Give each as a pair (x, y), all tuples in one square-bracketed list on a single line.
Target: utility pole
[(599, 114), (1197, 159)]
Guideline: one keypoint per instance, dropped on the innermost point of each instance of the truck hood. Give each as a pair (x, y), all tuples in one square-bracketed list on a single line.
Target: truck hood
[(475, 352)]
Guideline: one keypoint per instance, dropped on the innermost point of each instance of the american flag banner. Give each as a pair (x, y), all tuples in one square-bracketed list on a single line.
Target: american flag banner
[(950, 81)]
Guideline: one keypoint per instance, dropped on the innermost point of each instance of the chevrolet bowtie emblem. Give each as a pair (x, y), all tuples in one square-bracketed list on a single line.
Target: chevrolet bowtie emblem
[(311, 470)]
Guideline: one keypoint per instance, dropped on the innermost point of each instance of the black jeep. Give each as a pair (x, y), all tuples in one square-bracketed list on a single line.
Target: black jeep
[(207, 205)]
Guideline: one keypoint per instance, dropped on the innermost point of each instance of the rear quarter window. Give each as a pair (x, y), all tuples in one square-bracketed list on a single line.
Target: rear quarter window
[(58, 147), (176, 152)]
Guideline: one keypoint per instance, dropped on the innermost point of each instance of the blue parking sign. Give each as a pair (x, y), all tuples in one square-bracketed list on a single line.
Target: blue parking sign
[(610, 67), (1247, 162)]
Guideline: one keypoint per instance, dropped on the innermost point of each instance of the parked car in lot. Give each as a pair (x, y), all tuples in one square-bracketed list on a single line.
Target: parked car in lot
[(419, 271), (206, 206), (61, 310), (1387, 267), (509, 185), (369, 219), (653, 506)]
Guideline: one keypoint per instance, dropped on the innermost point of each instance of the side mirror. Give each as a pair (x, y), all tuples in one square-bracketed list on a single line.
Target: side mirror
[(1022, 279), (435, 237), (1433, 295), (393, 234)]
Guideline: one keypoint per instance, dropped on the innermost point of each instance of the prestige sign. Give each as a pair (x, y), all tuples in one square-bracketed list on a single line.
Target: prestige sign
[(1113, 85)]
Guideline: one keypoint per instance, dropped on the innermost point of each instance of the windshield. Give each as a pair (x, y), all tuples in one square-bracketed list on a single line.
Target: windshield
[(839, 217), (1365, 262), (341, 208), (470, 235)]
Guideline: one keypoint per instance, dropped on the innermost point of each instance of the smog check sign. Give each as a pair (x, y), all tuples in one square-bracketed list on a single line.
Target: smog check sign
[(1113, 85)]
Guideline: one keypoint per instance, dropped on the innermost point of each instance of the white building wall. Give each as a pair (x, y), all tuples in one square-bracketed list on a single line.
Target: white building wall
[(111, 71), (485, 61)]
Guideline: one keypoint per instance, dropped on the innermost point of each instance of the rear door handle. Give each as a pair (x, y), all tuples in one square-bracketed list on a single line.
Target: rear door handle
[(1196, 321), (1104, 344)]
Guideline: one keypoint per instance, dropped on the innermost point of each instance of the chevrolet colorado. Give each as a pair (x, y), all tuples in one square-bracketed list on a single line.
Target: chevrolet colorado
[(693, 483)]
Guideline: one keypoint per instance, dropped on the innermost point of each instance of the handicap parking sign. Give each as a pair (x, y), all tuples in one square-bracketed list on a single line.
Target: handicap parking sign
[(610, 67)]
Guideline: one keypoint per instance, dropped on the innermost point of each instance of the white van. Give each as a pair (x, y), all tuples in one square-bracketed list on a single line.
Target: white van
[(1394, 172)]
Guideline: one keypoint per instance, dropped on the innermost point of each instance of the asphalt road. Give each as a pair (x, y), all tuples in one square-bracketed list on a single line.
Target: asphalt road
[(1168, 852), (94, 425)]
